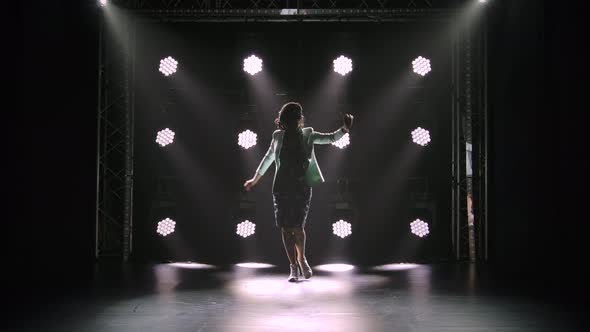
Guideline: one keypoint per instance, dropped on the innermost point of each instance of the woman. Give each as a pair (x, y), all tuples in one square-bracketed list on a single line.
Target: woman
[(296, 171)]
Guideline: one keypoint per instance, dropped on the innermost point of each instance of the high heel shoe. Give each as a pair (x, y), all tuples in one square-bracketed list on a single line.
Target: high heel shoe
[(305, 269), (293, 275)]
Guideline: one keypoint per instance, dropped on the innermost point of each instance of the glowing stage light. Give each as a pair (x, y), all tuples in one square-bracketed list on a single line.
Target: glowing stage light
[(251, 265), (252, 65), (342, 65), (168, 66), (483, 1), (396, 267), (247, 139), (421, 66), (245, 228), (191, 265), (166, 227), (342, 228), (102, 3), (165, 137), (419, 228), (334, 267), (342, 142), (421, 136)]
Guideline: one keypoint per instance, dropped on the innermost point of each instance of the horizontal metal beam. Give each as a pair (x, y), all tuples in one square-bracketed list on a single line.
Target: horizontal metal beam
[(268, 4), (225, 15)]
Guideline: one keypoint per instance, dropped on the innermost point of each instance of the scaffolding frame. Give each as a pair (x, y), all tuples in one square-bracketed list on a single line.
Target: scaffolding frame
[(115, 129)]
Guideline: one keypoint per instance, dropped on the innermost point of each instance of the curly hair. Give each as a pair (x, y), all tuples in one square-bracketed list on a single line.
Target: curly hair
[(290, 116)]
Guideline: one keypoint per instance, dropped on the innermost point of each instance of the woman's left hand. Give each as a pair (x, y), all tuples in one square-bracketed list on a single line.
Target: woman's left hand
[(249, 184), (252, 182), (348, 120)]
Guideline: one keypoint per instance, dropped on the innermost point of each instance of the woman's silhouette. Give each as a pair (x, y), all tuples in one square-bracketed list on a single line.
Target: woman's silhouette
[(296, 171)]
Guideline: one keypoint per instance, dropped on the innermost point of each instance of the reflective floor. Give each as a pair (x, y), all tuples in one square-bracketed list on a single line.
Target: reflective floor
[(257, 297)]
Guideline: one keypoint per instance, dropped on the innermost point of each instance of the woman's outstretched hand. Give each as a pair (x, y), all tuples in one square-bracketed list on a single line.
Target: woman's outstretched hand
[(252, 182), (348, 120), (249, 184)]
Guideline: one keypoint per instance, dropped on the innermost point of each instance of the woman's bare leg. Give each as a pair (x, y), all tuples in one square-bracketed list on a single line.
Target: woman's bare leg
[(299, 234), (289, 243), (300, 246)]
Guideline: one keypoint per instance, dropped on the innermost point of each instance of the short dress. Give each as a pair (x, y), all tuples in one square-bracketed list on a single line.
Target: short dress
[(291, 194)]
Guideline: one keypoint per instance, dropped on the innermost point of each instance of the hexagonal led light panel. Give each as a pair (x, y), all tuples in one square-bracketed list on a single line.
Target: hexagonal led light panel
[(342, 65), (165, 137), (343, 142), (247, 139), (166, 227), (421, 66), (421, 136), (168, 66), (245, 228), (342, 228), (253, 65), (419, 228)]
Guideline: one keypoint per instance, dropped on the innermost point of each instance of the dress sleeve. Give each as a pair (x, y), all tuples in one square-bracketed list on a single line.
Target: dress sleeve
[(326, 138)]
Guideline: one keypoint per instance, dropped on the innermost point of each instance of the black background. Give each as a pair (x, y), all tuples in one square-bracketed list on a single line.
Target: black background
[(205, 99), (537, 179)]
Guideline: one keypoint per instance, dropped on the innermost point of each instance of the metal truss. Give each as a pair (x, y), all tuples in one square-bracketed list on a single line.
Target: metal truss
[(283, 10), (276, 4), (463, 241), (470, 126), (280, 15), (479, 121), (115, 111), (114, 150)]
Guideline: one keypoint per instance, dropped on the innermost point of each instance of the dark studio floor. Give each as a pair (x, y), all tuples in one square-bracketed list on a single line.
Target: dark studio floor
[(451, 297)]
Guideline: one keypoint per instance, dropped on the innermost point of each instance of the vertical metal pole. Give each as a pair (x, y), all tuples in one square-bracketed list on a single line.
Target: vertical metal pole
[(469, 129), (457, 145), (98, 135), (485, 128), (128, 149), (131, 157), (452, 141), (453, 134)]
